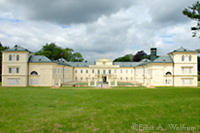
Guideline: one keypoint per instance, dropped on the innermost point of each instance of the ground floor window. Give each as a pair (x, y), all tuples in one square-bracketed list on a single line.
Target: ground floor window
[(168, 81), (34, 81), (186, 81), (13, 81)]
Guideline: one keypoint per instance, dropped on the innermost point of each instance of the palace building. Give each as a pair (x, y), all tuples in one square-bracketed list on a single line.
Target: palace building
[(20, 67)]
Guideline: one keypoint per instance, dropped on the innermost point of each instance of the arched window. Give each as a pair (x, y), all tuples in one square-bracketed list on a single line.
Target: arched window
[(168, 73), (34, 73), (10, 57), (190, 58), (17, 58), (183, 58)]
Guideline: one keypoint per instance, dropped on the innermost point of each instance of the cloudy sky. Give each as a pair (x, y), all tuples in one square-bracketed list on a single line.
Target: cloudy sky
[(97, 28)]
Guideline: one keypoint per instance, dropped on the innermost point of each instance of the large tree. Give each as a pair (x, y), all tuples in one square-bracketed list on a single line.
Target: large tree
[(1, 49), (53, 52), (126, 58), (193, 12)]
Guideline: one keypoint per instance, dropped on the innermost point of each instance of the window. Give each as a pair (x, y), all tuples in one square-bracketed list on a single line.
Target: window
[(168, 81), (183, 58), (186, 70), (186, 58), (13, 70), (131, 71), (14, 58), (190, 58), (86, 71), (75, 71), (168, 73), (115, 71), (17, 58), (75, 78), (121, 71), (81, 71), (10, 70), (34, 73), (126, 71), (13, 81), (127, 78), (186, 81), (86, 79), (104, 71), (121, 78), (131, 78), (92, 78), (109, 71), (10, 57), (98, 71), (93, 71), (17, 70), (34, 81), (81, 78)]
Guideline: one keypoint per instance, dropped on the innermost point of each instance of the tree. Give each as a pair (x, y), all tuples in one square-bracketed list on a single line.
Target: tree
[(126, 58), (53, 52), (1, 49), (193, 12), (139, 56)]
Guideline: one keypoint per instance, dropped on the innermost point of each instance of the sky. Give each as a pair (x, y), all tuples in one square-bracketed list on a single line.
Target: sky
[(98, 28)]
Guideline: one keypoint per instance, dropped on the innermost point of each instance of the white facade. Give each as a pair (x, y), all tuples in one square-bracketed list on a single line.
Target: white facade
[(21, 68)]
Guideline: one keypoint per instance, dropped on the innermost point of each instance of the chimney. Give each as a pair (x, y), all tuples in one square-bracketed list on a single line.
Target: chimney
[(153, 53)]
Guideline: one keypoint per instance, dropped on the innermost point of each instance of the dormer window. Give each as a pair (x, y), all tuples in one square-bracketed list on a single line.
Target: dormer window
[(183, 58)]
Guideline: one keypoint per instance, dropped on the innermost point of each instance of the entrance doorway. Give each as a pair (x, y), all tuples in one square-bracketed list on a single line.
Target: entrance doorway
[(104, 79)]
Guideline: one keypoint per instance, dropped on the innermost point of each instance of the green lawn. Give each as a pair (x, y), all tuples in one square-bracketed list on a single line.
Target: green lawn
[(98, 110)]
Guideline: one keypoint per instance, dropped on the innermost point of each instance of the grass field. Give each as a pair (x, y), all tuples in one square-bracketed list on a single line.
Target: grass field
[(99, 110)]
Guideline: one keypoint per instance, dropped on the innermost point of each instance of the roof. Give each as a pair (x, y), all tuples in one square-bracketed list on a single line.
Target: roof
[(39, 58), (163, 59), (17, 48), (80, 64), (126, 64), (181, 49)]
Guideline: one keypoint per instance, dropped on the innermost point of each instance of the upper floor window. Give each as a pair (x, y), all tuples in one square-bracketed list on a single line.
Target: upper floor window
[(17, 58), (104, 71), (14, 58), (183, 58), (190, 58), (126, 71), (10, 57), (98, 71), (93, 71), (81, 71), (109, 71), (121, 71), (17, 70), (75, 71), (13, 70), (186, 70), (86, 71), (10, 70)]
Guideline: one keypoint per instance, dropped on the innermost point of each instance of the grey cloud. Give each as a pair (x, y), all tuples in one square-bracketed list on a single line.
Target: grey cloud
[(69, 11)]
